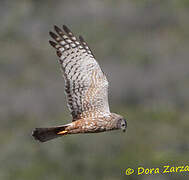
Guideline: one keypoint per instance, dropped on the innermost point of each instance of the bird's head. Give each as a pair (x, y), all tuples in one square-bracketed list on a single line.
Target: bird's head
[(121, 122)]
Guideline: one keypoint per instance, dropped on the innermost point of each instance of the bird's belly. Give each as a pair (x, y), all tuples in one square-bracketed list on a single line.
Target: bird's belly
[(87, 127)]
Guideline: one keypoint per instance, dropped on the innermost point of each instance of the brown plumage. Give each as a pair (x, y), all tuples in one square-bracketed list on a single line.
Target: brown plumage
[(86, 88)]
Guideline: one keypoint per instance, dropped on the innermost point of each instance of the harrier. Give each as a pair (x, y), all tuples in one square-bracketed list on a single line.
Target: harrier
[(86, 88)]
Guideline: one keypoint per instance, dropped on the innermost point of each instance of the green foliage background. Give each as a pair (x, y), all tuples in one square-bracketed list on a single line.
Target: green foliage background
[(142, 46)]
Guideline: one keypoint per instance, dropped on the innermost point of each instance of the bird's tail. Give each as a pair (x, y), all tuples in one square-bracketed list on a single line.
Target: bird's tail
[(46, 134)]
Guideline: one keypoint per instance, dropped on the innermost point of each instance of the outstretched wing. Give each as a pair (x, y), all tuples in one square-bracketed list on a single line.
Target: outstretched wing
[(86, 85)]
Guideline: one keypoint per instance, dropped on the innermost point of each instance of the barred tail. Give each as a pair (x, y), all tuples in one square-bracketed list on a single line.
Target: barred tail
[(46, 134)]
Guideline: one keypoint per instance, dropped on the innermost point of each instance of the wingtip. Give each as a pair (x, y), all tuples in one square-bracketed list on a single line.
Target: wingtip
[(66, 29), (52, 43), (57, 29), (82, 40), (64, 26), (53, 35), (59, 54)]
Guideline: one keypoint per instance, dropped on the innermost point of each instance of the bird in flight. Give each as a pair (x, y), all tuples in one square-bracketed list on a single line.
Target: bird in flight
[(86, 89)]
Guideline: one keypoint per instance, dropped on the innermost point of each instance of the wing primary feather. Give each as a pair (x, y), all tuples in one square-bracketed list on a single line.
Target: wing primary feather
[(67, 30), (59, 54), (85, 45), (82, 40), (53, 44), (58, 30), (54, 36)]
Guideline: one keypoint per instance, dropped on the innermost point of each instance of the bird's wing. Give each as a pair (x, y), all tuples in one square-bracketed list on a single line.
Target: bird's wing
[(86, 85)]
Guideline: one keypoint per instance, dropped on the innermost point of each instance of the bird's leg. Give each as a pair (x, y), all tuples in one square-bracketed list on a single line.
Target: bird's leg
[(62, 132)]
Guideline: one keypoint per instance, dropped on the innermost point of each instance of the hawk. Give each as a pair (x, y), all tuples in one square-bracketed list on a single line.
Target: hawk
[(86, 88)]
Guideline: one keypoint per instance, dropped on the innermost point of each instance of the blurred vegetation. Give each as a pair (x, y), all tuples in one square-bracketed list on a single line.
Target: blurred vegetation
[(142, 46)]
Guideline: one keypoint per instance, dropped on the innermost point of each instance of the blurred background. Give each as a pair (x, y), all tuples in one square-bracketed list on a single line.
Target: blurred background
[(142, 46)]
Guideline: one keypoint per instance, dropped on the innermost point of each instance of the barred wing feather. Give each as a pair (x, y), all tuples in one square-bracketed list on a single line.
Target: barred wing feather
[(86, 85)]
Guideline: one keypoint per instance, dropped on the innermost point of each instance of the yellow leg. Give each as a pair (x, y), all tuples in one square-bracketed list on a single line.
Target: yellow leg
[(62, 132)]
